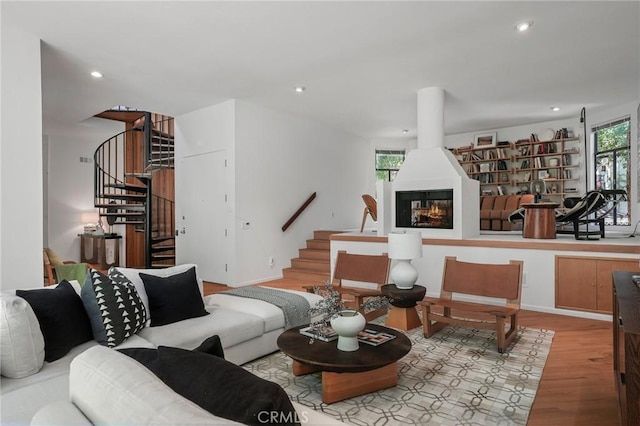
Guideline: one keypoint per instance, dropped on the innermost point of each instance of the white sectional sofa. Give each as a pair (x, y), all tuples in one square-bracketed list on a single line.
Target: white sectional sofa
[(247, 328), (107, 387)]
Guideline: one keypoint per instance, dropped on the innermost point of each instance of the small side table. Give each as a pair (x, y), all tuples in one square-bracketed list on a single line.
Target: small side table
[(403, 313), (102, 251), (539, 220)]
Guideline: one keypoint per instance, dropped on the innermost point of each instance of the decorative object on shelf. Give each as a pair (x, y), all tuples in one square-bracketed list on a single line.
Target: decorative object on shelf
[(348, 323), (99, 228), (485, 140), (538, 187), (403, 247), (546, 135)]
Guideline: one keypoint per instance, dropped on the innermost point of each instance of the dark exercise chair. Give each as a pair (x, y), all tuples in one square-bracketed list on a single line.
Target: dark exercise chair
[(590, 208)]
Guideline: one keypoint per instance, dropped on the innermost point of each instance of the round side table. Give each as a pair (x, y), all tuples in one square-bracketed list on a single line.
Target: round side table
[(403, 313)]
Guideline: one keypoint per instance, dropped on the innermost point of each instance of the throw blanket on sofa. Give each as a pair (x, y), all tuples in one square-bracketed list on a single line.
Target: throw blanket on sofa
[(294, 307)]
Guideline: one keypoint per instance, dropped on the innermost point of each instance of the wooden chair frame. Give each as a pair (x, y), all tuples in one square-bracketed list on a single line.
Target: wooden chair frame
[(362, 268), (502, 281), (49, 271), (371, 208)]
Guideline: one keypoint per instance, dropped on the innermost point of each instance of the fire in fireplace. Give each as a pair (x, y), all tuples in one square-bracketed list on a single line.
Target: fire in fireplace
[(425, 209)]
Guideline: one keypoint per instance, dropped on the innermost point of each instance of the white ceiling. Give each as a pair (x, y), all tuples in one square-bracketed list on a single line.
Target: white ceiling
[(362, 62)]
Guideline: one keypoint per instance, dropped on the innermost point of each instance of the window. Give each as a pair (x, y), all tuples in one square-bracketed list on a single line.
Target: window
[(388, 163), (612, 148)]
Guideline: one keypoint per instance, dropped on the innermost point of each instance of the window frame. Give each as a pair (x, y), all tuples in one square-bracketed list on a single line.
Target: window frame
[(390, 172), (615, 158)]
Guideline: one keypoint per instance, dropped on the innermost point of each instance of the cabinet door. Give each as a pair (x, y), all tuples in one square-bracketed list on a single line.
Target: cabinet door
[(576, 283), (605, 280)]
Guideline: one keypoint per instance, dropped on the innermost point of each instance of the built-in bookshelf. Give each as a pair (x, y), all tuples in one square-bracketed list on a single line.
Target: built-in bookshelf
[(510, 167)]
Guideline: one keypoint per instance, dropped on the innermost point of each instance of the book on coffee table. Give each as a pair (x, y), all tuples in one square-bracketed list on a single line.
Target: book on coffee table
[(374, 337), (323, 333)]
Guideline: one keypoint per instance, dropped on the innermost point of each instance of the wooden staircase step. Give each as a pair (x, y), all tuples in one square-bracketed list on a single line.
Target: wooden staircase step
[(127, 187), (162, 147), (129, 197), (124, 214), (160, 249), (311, 265), (166, 160), (144, 177), (297, 274), (125, 206), (307, 253), (319, 244), (324, 234), (162, 238), (159, 257)]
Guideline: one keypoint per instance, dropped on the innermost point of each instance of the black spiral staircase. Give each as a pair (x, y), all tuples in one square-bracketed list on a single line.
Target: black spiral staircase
[(125, 168)]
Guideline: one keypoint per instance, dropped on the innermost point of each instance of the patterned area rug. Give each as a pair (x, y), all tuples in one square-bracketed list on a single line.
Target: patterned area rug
[(457, 377)]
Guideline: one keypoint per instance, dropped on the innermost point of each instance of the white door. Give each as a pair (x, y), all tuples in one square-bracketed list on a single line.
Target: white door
[(201, 218)]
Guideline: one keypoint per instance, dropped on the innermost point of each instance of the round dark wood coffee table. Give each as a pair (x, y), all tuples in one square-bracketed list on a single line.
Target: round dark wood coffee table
[(346, 374)]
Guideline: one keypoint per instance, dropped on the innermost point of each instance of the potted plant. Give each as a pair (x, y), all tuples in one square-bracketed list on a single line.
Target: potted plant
[(346, 322)]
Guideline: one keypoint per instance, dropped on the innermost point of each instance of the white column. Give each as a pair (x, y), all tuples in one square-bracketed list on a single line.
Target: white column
[(430, 118), (21, 161)]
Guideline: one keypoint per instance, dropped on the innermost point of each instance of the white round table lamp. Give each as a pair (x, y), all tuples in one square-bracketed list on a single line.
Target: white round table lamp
[(403, 247)]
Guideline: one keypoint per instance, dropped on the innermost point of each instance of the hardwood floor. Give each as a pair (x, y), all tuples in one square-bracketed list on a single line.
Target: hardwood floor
[(577, 385)]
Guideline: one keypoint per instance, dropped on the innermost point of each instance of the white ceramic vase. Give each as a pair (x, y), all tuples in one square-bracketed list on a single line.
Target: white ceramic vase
[(348, 324)]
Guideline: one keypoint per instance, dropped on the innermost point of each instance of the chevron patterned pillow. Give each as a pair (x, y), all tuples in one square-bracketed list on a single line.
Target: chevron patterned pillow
[(114, 307)]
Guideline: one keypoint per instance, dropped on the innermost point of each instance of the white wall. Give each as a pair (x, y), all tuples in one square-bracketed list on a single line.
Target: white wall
[(275, 162), (20, 161), (70, 186), (200, 132), (280, 161)]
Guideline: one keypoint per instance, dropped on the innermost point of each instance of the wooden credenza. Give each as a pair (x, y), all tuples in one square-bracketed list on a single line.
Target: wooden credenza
[(626, 346), (584, 283)]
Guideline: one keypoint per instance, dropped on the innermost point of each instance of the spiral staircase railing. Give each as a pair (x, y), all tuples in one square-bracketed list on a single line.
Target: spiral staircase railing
[(123, 192)]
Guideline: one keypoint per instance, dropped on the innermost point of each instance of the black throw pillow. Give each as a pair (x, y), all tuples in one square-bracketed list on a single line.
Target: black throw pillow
[(218, 386), (211, 346), (173, 298), (63, 320)]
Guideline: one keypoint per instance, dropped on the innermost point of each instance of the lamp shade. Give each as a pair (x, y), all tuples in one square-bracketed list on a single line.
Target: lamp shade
[(405, 245)]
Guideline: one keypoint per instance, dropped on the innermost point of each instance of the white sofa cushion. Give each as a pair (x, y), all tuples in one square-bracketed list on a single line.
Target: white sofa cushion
[(21, 341), (134, 276), (232, 327), (110, 388)]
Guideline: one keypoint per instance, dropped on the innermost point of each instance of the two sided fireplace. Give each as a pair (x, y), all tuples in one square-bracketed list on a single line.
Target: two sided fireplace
[(425, 209)]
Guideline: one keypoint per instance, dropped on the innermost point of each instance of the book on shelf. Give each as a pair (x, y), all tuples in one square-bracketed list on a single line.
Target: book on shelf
[(374, 337), (320, 332)]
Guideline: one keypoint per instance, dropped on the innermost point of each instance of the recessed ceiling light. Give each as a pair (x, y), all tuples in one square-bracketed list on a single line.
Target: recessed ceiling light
[(96, 74), (405, 130), (555, 108), (524, 26), (300, 89)]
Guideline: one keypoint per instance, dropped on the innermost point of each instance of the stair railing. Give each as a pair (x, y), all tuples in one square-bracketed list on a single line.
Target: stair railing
[(109, 168), (158, 141), (112, 172), (298, 212)]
